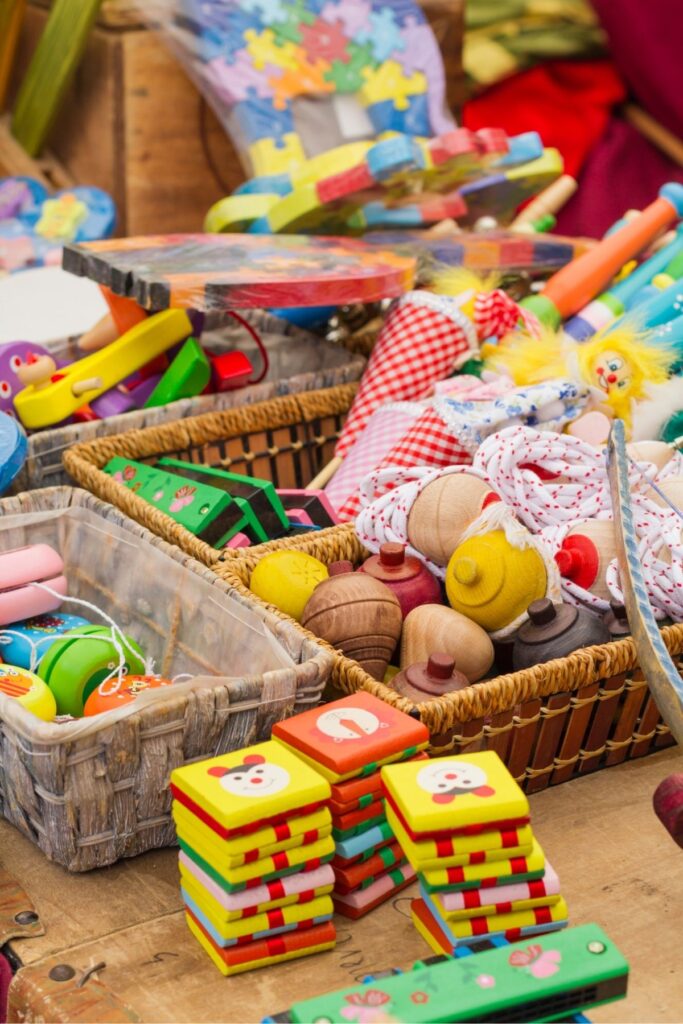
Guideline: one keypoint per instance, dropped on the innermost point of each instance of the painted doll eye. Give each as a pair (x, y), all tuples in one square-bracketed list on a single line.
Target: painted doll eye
[(15, 362), (5, 389), (615, 364)]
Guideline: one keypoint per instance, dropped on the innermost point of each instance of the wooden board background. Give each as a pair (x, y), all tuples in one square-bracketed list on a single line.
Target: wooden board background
[(617, 866)]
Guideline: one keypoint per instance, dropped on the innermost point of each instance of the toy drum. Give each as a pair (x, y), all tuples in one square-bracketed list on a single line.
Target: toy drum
[(76, 664)]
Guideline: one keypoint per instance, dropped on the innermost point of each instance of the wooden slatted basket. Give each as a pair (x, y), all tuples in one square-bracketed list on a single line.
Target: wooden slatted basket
[(549, 723), (93, 790)]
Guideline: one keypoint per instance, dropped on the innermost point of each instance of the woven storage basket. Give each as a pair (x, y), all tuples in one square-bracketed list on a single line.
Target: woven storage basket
[(299, 361), (550, 723), (92, 791), (286, 440)]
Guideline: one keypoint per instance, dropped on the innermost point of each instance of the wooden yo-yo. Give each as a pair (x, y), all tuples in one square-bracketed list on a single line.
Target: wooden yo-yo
[(443, 511), (492, 581), (553, 631), (434, 627), (616, 621), (585, 554), (405, 575), (358, 615)]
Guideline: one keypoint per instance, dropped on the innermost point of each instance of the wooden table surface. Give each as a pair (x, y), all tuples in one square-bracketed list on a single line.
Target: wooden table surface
[(617, 865)]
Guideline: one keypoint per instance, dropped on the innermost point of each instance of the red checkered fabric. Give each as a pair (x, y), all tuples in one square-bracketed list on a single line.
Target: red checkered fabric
[(496, 314), (427, 443), (418, 345)]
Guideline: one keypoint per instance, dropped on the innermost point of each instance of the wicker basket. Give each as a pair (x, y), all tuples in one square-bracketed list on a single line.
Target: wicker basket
[(286, 440), (299, 361), (550, 723), (92, 791)]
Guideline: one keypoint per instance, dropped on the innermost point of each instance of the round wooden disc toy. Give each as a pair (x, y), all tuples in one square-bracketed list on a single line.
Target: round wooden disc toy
[(28, 690), (106, 698)]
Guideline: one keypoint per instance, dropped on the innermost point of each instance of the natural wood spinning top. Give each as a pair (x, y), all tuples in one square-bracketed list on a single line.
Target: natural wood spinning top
[(555, 630), (434, 627), (443, 511), (431, 678), (358, 615)]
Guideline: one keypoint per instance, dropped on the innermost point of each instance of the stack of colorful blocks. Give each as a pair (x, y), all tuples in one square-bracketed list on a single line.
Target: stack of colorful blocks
[(347, 742), (463, 824), (255, 836)]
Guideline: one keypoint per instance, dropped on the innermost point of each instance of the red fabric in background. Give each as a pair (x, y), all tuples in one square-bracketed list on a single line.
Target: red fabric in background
[(567, 102)]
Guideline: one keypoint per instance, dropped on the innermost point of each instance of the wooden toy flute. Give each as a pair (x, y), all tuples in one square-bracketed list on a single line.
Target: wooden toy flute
[(572, 288)]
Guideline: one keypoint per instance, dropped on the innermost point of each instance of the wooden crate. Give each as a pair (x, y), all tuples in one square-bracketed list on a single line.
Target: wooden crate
[(135, 125)]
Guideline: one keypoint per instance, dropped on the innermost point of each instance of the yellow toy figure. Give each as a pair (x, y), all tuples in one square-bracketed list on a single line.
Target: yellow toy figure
[(619, 365)]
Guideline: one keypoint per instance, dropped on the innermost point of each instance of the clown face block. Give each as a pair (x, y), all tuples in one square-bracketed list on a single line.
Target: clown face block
[(255, 777), (447, 779)]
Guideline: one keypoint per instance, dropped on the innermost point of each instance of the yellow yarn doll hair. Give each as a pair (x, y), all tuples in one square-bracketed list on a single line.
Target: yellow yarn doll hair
[(460, 281), (622, 364), (529, 360)]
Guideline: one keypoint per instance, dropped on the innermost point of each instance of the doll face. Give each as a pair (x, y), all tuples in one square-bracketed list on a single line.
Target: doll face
[(611, 372), (253, 778), (447, 779)]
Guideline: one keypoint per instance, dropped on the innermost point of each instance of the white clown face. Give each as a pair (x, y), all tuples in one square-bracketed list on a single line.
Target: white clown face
[(254, 778), (446, 779), (348, 724)]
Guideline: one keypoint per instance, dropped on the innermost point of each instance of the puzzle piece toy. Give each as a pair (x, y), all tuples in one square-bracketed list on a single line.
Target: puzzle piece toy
[(264, 49), (238, 212), (387, 82), (258, 119), (499, 195), (354, 15), (241, 80), (347, 77), (383, 34), (325, 40), (272, 156)]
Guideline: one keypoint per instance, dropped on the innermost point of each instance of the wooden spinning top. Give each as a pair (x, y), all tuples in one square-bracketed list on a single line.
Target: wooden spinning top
[(431, 678), (434, 627), (555, 630), (617, 622), (585, 554), (443, 511), (405, 575), (358, 615)]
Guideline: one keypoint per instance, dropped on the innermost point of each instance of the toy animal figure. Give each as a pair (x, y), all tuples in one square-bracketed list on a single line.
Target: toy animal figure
[(619, 365)]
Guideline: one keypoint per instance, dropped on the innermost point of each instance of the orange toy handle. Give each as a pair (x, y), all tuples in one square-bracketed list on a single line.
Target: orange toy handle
[(573, 287), (125, 312)]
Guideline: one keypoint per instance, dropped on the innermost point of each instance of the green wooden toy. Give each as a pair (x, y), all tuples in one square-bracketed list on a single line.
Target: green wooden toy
[(187, 376)]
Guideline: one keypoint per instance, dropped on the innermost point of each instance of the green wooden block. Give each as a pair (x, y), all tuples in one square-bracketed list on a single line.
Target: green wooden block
[(187, 376)]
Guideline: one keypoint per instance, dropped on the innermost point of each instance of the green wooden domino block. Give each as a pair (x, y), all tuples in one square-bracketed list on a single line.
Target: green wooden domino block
[(260, 494), (187, 376), (129, 473), (249, 524)]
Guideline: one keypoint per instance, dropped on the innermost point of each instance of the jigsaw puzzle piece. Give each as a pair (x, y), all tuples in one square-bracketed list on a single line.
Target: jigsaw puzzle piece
[(501, 193), (308, 79), (258, 119), (413, 120), (325, 40), (271, 156), (406, 12), (354, 15), (269, 11), (383, 34), (330, 162), (264, 49), (240, 80), (347, 77), (387, 82)]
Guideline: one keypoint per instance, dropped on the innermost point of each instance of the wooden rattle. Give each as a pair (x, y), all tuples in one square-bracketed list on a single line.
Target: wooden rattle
[(106, 698), (76, 664), (287, 579), (443, 511), (28, 690), (359, 615), (21, 567), (554, 631), (585, 554), (434, 627), (405, 576), (492, 581)]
